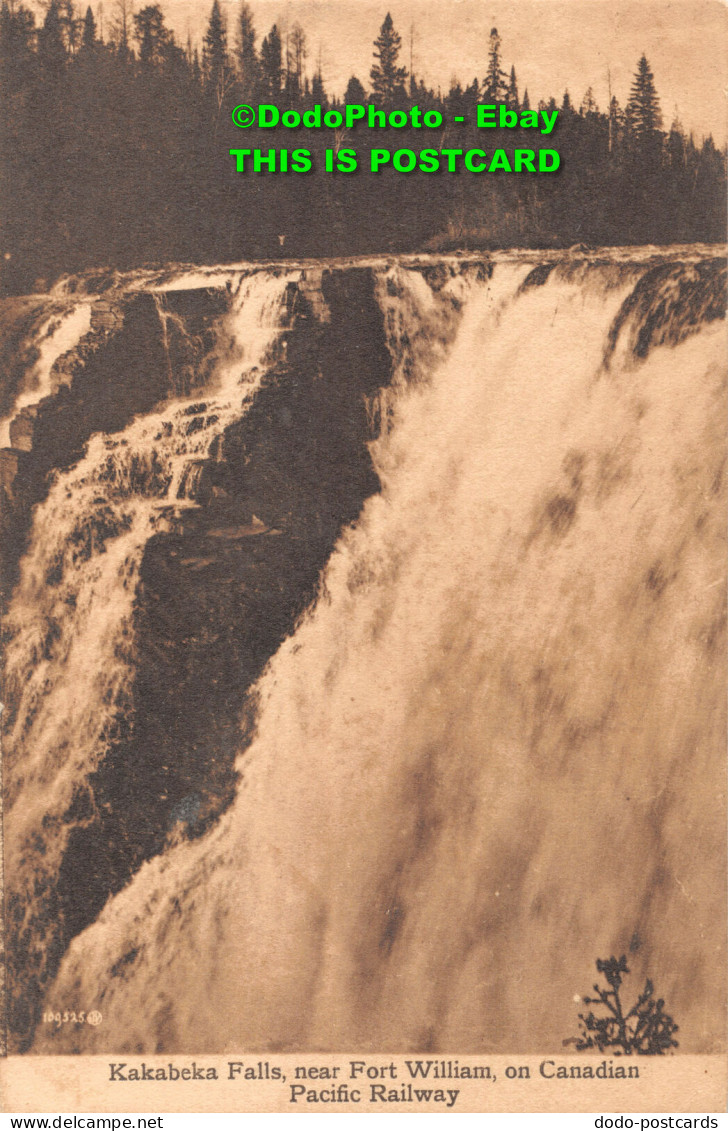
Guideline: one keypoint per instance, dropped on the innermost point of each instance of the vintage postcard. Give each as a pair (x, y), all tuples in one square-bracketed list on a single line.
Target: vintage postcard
[(363, 545)]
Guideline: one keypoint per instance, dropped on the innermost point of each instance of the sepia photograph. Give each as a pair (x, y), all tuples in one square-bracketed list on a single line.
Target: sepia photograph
[(362, 555)]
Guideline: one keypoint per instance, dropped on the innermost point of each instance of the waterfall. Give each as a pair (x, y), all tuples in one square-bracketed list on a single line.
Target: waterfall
[(58, 333), (489, 750)]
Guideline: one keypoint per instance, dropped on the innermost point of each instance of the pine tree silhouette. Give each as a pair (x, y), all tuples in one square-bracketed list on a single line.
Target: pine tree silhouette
[(214, 47), (643, 108), (245, 51), (512, 94), (387, 78), (152, 35), (88, 40), (271, 62), (495, 83), (355, 93), (51, 48)]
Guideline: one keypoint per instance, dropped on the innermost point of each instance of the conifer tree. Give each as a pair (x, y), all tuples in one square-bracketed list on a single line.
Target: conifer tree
[(588, 103), (471, 97), (455, 101), (387, 78), (271, 63), (152, 35), (214, 49), (643, 109), (295, 62), (495, 85), (121, 28), (318, 90), (566, 110), (676, 151), (88, 38), (245, 52), (51, 48), (17, 61), (71, 26), (512, 92), (526, 104), (615, 123), (355, 93), (472, 92)]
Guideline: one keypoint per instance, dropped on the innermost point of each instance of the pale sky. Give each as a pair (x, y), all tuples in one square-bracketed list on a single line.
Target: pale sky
[(554, 44)]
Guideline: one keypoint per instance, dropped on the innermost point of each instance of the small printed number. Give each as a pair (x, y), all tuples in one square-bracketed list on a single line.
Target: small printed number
[(68, 1018)]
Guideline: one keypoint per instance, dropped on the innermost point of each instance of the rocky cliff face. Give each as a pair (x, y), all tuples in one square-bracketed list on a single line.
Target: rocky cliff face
[(419, 475)]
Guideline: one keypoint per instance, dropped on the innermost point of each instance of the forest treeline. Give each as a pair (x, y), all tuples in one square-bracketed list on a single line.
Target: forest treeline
[(115, 151)]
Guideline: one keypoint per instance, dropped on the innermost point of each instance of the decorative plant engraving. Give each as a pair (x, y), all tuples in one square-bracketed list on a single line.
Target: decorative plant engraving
[(645, 1029)]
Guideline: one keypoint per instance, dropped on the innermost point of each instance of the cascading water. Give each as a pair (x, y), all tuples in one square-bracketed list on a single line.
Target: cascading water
[(490, 751), (70, 652), (59, 333)]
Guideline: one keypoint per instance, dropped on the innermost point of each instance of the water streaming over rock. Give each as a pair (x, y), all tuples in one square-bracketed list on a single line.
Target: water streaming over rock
[(481, 744), (70, 656), (58, 334)]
